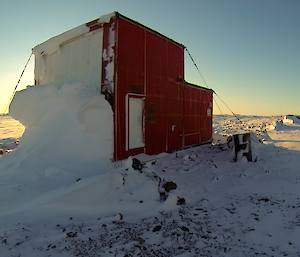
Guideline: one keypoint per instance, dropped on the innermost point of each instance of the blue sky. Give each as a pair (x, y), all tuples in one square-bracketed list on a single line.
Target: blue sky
[(247, 51)]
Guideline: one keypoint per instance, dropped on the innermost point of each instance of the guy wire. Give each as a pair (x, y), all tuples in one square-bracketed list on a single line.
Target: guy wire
[(13, 94)]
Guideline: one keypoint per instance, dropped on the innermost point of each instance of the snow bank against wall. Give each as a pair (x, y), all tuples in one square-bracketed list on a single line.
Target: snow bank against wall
[(66, 127)]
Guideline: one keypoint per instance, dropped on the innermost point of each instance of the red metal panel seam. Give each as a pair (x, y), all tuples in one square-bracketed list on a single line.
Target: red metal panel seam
[(211, 127), (145, 63), (182, 89), (116, 81), (145, 87), (200, 133), (183, 101), (183, 115), (167, 111)]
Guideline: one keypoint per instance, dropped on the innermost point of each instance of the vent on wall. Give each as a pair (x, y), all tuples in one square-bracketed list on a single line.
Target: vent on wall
[(209, 122), (151, 113)]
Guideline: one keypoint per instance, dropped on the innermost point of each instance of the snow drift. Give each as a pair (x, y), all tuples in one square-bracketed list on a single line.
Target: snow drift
[(71, 126)]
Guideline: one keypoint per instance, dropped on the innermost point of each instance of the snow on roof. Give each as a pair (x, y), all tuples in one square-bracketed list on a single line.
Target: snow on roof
[(106, 18), (52, 45)]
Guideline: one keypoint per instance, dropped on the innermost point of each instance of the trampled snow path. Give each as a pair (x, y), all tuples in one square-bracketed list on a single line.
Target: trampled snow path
[(232, 208)]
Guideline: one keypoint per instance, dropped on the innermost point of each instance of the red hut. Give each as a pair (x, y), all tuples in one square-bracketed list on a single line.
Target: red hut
[(141, 74)]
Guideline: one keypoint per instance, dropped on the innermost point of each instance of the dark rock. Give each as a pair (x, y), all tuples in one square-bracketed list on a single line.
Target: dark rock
[(141, 241), (137, 165), (168, 186), (180, 201), (71, 234), (183, 228), (264, 199), (157, 228)]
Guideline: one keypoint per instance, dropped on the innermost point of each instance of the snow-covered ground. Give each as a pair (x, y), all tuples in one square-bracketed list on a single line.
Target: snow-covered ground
[(56, 201)]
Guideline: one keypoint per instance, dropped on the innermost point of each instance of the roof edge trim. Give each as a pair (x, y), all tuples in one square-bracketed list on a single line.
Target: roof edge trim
[(197, 86)]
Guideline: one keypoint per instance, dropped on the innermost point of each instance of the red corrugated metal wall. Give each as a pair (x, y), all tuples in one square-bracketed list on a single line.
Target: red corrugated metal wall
[(192, 134), (206, 102), (164, 62), (129, 68), (197, 115), (175, 113)]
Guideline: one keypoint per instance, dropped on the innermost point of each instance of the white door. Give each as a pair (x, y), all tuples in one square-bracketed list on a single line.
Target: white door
[(135, 122)]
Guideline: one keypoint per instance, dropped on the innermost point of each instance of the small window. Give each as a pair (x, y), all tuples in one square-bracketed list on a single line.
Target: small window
[(151, 113), (136, 88)]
